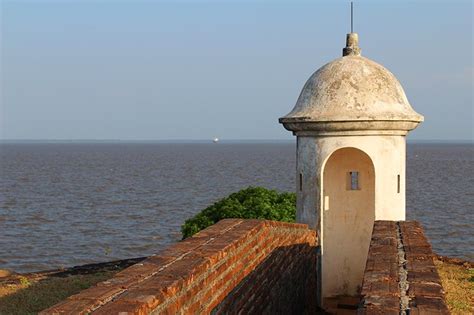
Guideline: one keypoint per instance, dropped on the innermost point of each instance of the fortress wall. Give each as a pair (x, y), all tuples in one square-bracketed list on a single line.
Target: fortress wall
[(400, 274), (251, 265)]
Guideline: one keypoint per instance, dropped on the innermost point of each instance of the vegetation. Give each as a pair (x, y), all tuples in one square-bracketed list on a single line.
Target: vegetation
[(249, 203), (457, 278), (30, 296), (33, 292)]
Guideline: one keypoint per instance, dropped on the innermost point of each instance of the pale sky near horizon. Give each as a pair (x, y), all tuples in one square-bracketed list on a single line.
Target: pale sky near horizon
[(143, 70)]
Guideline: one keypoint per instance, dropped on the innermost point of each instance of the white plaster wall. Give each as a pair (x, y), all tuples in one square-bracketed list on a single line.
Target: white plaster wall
[(347, 220), (387, 153), (307, 198), (308, 192)]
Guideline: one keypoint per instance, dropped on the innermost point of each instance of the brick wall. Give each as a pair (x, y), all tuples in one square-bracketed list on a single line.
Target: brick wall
[(250, 265), (400, 275)]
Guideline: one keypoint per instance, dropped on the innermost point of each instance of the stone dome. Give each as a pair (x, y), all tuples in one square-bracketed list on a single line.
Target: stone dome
[(352, 93)]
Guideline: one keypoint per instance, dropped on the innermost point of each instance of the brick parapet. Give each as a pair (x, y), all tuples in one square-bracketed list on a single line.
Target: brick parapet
[(234, 264), (384, 286), (425, 290)]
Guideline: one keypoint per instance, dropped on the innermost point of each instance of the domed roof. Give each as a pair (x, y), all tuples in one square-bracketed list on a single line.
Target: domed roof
[(352, 89)]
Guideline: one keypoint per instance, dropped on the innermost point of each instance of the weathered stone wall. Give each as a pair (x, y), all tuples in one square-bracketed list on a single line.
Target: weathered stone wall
[(400, 275), (253, 266)]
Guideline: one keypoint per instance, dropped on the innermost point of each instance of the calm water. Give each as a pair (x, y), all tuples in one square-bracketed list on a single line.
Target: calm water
[(69, 204)]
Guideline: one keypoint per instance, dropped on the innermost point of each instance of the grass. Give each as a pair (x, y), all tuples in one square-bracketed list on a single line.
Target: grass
[(29, 294), (458, 283)]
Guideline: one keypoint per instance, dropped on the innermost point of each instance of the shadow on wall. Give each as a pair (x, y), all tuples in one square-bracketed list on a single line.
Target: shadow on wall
[(284, 283)]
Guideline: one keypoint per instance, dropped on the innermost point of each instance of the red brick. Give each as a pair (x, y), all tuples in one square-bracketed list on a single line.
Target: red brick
[(98, 293), (225, 253), (138, 271), (72, 307), (428, 306), (131, 308), (425, 290), (216, 229)]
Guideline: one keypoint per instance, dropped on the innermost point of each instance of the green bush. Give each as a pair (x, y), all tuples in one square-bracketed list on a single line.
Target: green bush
[(249, 203)]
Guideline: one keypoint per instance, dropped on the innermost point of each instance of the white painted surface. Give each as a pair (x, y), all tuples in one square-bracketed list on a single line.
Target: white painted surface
[(344, 233), (347, 222), (354, 105)]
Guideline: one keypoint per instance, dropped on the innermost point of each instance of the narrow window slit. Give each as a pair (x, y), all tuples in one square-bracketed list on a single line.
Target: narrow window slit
[(301, 182), (354, 180), (398, 184)]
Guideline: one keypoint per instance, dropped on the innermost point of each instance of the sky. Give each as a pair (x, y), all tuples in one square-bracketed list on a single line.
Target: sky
[(168, 70)]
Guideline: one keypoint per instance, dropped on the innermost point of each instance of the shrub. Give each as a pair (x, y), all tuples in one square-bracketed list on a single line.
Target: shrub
[(249, 203)]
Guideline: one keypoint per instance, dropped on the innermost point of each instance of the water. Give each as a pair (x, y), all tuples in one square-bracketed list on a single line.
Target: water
[(64, 204)]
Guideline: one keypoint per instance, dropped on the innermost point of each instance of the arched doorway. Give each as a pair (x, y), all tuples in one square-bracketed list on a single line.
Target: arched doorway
[(348, 214)]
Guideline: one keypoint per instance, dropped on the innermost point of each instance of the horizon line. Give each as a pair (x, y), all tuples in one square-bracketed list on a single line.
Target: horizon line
[(209, 140)]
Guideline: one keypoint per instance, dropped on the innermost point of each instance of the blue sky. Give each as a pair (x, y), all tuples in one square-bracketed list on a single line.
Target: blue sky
[(143, 70)]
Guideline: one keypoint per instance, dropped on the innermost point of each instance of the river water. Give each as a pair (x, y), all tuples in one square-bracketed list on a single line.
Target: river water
[(64, 204)]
